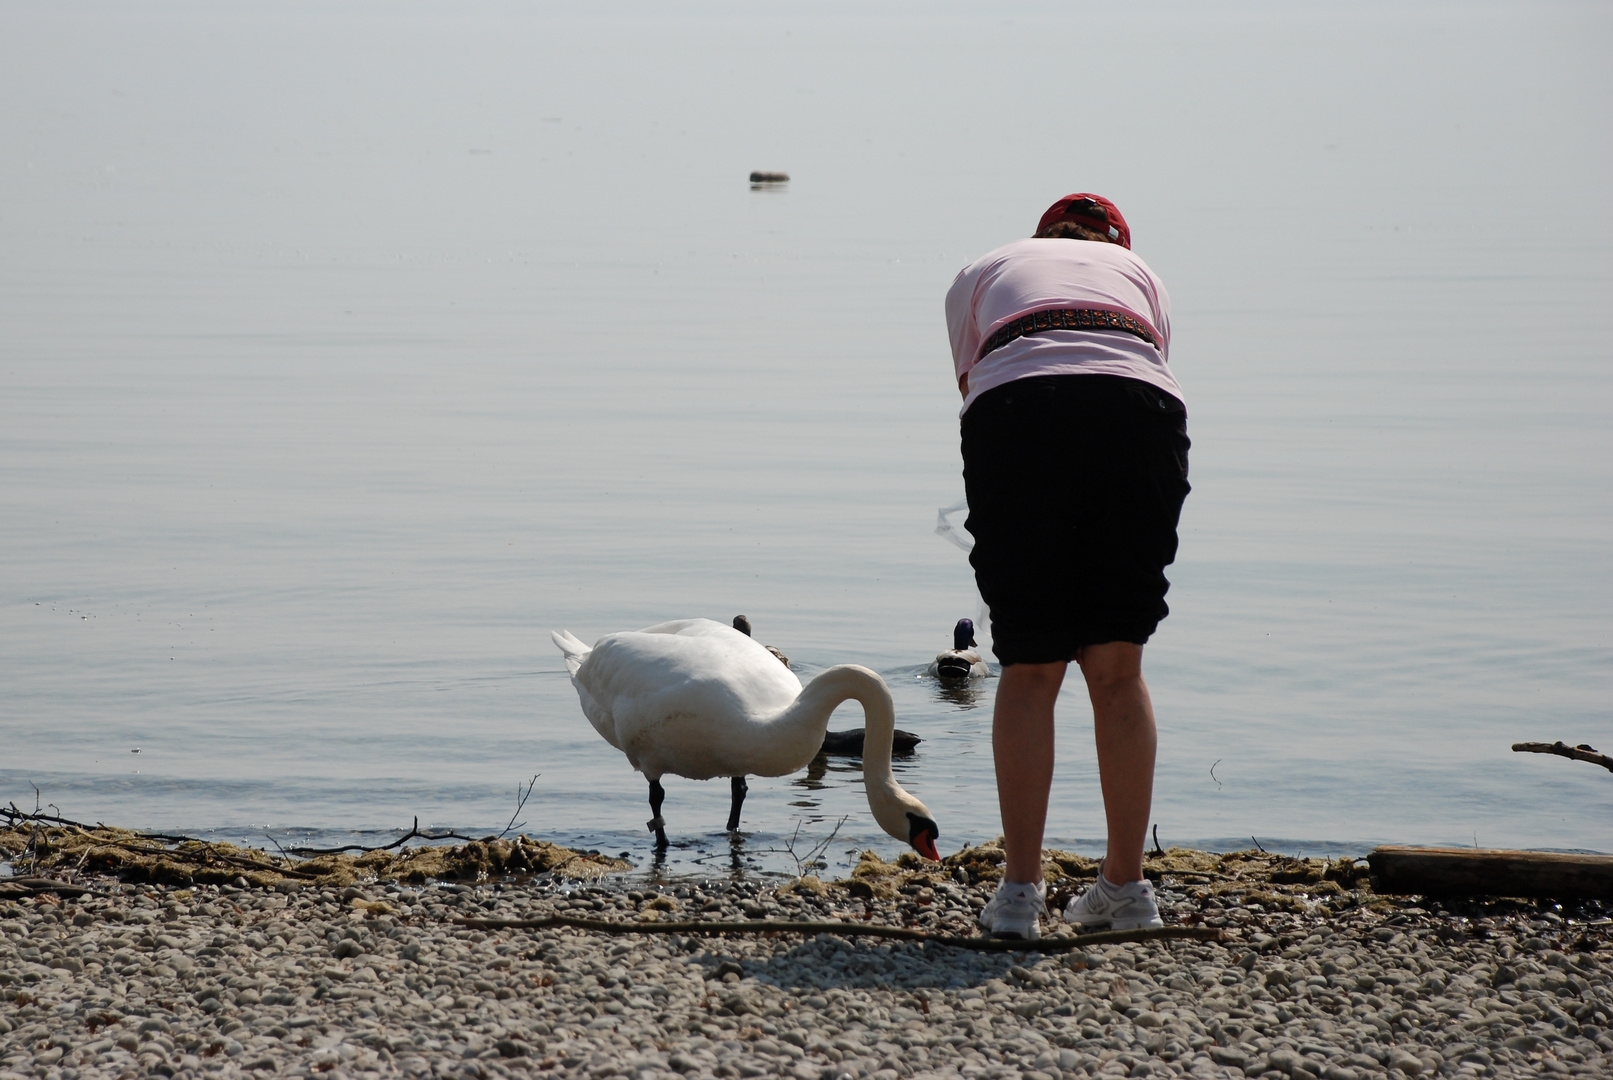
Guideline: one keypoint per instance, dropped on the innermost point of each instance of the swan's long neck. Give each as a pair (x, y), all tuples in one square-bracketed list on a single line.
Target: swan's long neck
[(852, 682), (887, 799)]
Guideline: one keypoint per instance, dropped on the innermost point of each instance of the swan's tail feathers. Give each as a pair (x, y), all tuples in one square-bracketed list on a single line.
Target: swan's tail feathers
[(575, 651)]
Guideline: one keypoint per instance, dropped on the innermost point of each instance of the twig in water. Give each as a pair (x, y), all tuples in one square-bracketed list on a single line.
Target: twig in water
[(814, 857), (1257, 844), (15, 816), (1582, 752), (520, 801), (789, 849), (1213, 764), (415, 832)]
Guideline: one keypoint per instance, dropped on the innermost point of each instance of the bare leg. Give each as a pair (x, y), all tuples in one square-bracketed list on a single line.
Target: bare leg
[(740, 787), (657, 796), (1123, 725), (1022, 744)]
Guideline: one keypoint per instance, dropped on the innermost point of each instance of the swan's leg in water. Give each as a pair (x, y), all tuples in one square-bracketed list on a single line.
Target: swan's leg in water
[(657, 794), (740, 787)]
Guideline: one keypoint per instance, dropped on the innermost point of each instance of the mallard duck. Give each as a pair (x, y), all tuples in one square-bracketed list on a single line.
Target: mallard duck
[(961, 661)]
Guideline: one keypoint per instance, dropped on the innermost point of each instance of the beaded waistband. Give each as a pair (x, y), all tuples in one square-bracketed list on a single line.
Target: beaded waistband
[(1068, 319)]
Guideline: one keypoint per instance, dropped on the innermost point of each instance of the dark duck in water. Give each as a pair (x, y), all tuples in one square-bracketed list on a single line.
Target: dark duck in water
[(961, 661)]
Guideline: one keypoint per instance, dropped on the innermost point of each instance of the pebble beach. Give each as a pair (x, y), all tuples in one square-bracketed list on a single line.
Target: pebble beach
[(134, 980)]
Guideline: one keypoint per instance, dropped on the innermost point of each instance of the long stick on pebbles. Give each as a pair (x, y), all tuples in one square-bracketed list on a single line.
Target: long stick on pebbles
[(1061, 943)]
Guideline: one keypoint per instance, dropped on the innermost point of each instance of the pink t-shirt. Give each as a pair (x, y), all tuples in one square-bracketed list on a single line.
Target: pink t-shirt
[(1037, 275)]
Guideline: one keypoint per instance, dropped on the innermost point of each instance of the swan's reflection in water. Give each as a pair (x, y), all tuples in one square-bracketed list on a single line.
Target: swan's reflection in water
[(816, 770), (738, 861), (813, 780), (823, 772), (819, 768), (805, 848)]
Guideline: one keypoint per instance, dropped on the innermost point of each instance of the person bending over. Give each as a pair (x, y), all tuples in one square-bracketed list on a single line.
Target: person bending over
[(1075, 449)]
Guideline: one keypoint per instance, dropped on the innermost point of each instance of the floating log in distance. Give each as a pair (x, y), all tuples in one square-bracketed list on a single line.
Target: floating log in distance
[(1474, 872), (1582, 752), (769, 177)]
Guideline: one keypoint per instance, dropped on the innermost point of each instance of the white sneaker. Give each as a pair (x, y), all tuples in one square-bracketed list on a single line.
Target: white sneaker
[(1015, 911), (1122, 907)]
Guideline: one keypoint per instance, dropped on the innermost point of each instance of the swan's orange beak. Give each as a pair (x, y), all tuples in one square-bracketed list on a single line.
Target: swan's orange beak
[(923, 835)]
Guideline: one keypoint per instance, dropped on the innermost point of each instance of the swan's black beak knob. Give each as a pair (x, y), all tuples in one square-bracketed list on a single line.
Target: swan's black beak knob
[(922, 835)]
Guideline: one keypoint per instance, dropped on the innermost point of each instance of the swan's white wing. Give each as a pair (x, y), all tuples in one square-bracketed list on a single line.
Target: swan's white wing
[(693, 628), (692, 698)]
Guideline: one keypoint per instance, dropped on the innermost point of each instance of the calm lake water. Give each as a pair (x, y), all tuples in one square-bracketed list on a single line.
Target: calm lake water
[(347, 349)]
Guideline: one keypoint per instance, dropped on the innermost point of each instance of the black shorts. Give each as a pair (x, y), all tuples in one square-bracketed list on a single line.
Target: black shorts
[(1075, 486)]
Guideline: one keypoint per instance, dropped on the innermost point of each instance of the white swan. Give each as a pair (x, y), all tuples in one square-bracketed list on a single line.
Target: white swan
[(961, 661), (699, 699)]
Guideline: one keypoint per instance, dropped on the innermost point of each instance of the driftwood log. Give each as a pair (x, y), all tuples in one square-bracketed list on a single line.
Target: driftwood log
[(1582, 752), (1475, 872), (14, 888)]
